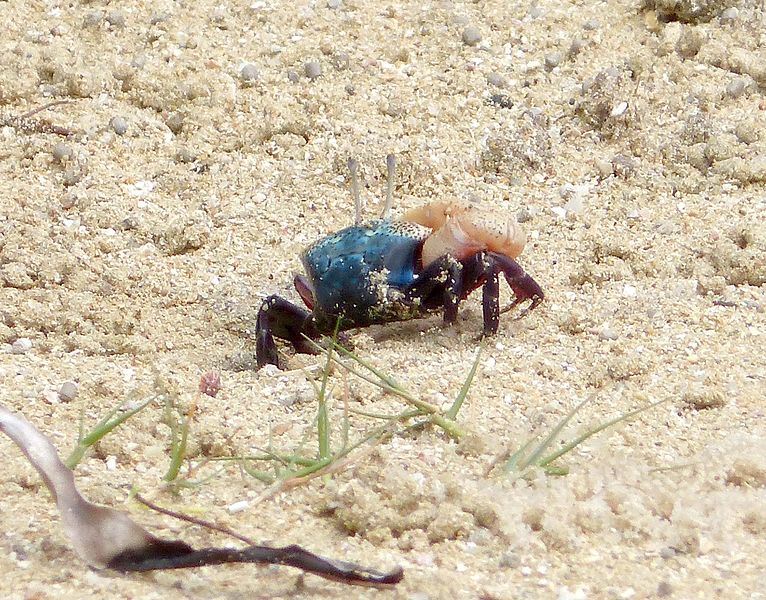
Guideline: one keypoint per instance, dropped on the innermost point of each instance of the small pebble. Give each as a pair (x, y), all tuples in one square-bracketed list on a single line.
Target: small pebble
[(619, 109), (606, 333), (392, 109), (334, 4), (175, 122), (21, 346), (747, 132), (576, 47), (341, 60), (93, 19), (68, 391), (552, 60), (664, 589), (510, 560), (689, 43), (667, 552), (116, 19), (238, 506), (591, 25), (249, 74), (210, 383), (604, 167), (496, 79), (62, 152), (158, 17), (736, 88), (312, 69), (118, 125), (72, 176), (729, 15), (500, 100), (623, 166), (575, 205), (523, 216), (705, 399), (471, 36), (185, 156)]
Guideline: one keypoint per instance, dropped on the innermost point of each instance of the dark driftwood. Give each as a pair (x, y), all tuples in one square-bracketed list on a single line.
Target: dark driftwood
[(107, 538)]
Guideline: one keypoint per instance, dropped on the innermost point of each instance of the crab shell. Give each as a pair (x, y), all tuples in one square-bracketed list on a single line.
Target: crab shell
[(462, 230)]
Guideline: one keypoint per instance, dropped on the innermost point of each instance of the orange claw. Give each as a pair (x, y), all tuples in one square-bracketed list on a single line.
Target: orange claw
[(462, 230)]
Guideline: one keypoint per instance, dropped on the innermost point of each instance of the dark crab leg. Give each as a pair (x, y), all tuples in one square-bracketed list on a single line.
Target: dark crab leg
[(439, 285), (523, 286), (283, 319), (446, 282)]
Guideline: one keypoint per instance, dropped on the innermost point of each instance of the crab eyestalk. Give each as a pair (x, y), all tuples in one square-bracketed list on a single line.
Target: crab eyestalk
[(391, 175), (353, 167)]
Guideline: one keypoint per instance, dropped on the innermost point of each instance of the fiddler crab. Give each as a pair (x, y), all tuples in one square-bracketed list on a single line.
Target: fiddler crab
[(388, 270)]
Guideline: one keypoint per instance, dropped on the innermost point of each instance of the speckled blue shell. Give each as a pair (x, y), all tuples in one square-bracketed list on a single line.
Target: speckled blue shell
[(347, 268)]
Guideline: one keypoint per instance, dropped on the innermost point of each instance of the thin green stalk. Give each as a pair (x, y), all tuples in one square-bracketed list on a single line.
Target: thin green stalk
[(400, 417), (318, 464), (288, 459), (515, 460), (346, 429), (548, 440), (389, 384), (518, 462), (178, 448), (580, 439), (261, 476), (323, 422), (453, 410), (102, 428)]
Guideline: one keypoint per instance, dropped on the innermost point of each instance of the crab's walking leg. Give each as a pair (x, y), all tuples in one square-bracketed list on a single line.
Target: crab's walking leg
[(490, 303), (440, 284), (523, 286), (285, 320), (483, 269)]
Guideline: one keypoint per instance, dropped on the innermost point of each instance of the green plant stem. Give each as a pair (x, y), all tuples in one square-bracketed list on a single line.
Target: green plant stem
[(178, 449), (388, 384), (458, 403), (548, 440), (580, 439), (323, 422), (102, 428)]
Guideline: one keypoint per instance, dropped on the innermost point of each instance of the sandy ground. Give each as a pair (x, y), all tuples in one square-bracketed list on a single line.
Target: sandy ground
[(205, 152)]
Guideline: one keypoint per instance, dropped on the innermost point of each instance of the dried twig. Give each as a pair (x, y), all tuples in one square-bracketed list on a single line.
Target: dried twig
[(105, 537), (195, 520), (25, 123)]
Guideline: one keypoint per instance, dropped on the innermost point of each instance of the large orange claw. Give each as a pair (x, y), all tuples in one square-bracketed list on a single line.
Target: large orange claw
[(461, 230)]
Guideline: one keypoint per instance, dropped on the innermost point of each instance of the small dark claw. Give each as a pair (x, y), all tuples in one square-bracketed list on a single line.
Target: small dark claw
[(536, 300), (265, 348), (526, 288), (523, 286), (283, 319)]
